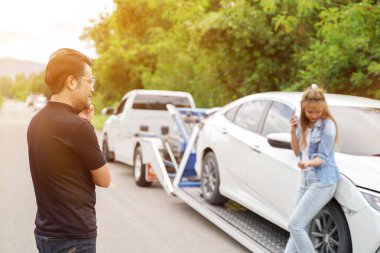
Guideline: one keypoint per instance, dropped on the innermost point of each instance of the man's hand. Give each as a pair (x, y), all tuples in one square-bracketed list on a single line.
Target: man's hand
[(87, 113)]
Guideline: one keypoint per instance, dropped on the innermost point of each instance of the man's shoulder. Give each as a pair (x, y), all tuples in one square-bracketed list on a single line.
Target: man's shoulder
[(61, 118)]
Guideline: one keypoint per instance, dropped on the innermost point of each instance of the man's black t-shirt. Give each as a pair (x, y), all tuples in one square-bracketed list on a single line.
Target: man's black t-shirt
[(63, 149)]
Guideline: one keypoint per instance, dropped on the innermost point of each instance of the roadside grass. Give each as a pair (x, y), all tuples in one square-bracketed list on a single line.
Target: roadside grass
[(98, 121)]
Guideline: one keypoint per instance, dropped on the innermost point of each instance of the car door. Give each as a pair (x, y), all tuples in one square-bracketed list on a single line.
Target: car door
[(219, 135), (273, 172), (242, 153), (115, 129), (130, 123)]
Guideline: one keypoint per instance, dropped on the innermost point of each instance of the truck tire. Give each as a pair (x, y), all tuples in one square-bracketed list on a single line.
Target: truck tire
[(329, 230), (210, 180), (139, 169), (110, 156)]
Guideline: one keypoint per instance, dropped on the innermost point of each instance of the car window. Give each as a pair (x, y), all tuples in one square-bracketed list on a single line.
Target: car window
[(358, 129), (278, 119), (230, 114), (159, 102), (121, 107), (249, 114)]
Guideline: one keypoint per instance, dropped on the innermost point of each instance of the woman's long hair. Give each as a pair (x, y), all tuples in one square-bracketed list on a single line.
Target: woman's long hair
[(314, 96)]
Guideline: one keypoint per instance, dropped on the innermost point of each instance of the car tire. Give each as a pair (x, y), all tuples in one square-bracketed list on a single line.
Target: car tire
[(109, 155), (139, 169), (329, 230), (210, 180)]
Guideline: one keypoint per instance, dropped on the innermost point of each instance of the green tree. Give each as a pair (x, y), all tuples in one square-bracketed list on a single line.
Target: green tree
[(221, 50), (38, 85), (6, 86), (345, 56), (121, 41)]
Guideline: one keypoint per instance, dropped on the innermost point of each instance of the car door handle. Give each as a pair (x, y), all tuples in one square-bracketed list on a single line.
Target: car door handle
[(224, 131), (255, 148)]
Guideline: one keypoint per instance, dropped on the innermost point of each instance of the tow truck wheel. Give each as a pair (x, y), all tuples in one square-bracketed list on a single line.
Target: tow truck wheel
[(110, 156), (139, 169), (210, 180), (329, 231)]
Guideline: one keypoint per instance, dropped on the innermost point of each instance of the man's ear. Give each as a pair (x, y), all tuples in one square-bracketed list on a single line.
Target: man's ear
[(71, 83)]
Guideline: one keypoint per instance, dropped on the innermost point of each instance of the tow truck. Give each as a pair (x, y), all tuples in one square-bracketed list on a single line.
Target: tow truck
[(252, 231)]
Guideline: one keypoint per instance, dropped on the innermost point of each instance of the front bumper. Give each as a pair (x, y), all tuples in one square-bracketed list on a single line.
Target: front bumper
[(365, 230)]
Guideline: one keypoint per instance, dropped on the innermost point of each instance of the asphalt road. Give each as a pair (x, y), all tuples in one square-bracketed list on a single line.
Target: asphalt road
[(130, 219)]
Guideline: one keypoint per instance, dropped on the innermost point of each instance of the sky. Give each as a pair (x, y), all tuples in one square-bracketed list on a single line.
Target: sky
[(34, 29)]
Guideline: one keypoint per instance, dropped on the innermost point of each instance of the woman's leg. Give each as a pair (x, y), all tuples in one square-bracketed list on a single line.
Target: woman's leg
[(314, 199), (290, 245)]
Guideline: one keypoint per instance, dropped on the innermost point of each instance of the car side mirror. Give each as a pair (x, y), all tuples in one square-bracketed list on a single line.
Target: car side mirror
[(280, 140), (108, 111)]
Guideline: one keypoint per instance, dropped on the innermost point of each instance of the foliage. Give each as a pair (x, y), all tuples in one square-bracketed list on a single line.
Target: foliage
[(22, 85), (5, 89), (345, 55), (220, 50), (98, 121)]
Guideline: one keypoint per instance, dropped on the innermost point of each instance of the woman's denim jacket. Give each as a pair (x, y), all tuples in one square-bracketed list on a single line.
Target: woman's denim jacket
[(322, 142)]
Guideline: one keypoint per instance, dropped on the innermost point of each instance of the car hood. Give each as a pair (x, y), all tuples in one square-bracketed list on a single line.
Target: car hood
[(363, 171)]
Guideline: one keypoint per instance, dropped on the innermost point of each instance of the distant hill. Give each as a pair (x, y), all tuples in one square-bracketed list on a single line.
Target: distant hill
[(11, 67)]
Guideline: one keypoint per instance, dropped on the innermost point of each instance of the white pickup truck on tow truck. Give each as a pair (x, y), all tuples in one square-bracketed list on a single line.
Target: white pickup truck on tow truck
[(142, 112)]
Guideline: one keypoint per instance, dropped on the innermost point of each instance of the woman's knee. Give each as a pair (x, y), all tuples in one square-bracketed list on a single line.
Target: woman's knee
[(295, 226)]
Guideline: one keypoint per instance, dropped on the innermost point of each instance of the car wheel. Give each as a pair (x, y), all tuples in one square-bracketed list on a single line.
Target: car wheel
[(329, 230), (110, 156), (139, 169), (210, 180)]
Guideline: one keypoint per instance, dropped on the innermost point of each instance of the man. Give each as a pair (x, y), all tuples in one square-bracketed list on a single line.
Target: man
[(65, 159)]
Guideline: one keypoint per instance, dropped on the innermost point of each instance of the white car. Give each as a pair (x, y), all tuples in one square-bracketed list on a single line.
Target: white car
[(37, 101), (40, 102), (30, 99), (243, 154), (141, 112)]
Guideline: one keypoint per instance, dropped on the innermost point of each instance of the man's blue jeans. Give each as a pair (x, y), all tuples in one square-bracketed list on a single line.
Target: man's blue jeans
[(58, 245), (311, 198)]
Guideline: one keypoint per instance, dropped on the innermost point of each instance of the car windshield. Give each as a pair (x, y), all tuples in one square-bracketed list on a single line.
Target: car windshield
[(159, 102), (359, 130)]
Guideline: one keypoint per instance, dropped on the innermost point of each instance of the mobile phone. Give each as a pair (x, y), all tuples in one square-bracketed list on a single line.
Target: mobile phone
[(293, 112)]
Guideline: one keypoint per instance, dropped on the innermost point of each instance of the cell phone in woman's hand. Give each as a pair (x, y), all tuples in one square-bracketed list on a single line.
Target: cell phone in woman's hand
[(293, 120), (293, 112)]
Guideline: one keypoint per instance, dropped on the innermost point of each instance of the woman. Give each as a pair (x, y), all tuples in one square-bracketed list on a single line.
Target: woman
[(313, 141)]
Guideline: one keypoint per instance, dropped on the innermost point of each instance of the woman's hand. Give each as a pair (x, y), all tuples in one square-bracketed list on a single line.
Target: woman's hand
[(293, 127), (303, 165), (315, 162), (87, 113)]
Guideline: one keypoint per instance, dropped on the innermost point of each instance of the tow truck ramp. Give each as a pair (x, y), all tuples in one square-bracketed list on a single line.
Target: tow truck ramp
[(254, 232)]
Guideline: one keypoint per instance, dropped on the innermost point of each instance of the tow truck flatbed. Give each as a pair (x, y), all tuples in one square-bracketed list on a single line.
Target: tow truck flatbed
[(251, 230)]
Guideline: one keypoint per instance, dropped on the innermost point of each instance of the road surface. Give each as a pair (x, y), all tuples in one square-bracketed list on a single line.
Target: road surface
[(130, 219)]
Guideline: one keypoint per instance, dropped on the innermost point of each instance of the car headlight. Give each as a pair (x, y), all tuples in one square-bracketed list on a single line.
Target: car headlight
[(373, 198)]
